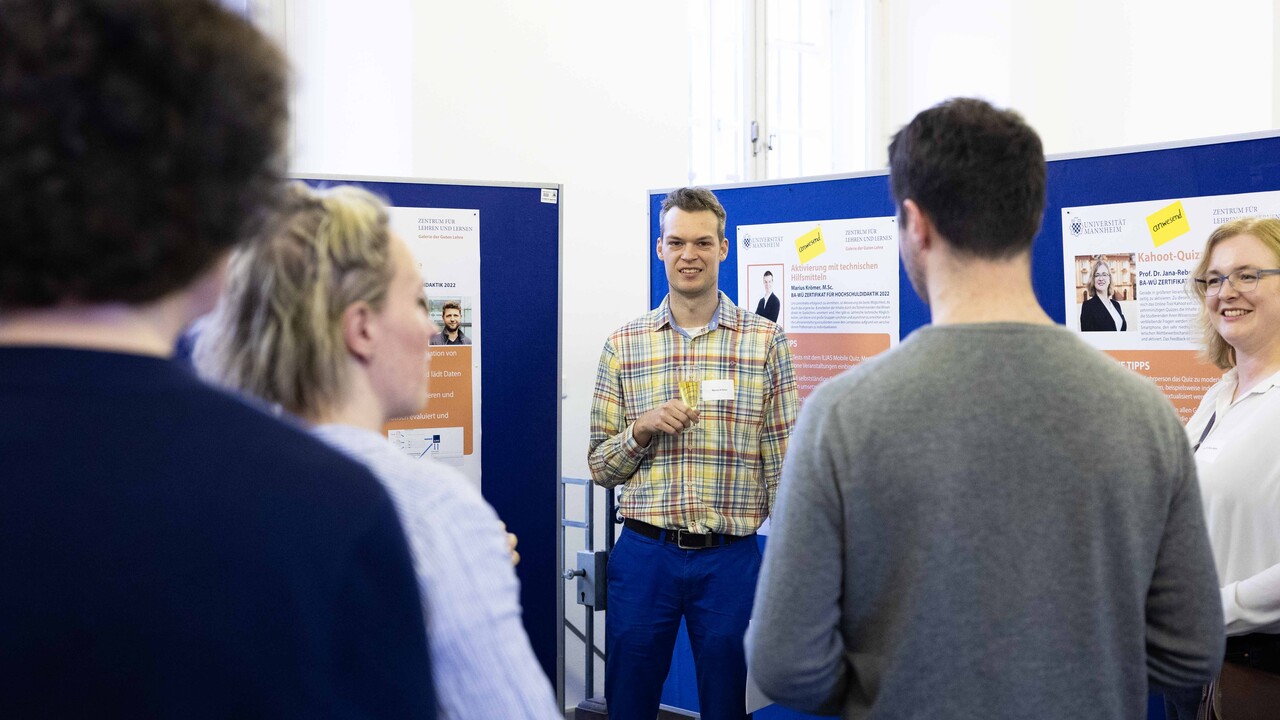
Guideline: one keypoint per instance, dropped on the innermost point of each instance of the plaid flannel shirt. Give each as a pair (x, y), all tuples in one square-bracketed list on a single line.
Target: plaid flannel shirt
[(722, 474)]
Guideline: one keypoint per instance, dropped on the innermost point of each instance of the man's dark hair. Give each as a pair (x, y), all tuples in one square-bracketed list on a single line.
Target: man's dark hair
[(977, 172), (691, 199), (767, 273), (139, 140), (451, 305)]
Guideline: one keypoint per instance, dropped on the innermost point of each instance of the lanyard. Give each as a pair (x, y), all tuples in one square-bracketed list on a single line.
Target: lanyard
[(1205, 434)]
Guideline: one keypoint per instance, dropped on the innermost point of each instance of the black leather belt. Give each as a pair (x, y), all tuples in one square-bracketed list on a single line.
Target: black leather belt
[(1256, 650), (684, 539)]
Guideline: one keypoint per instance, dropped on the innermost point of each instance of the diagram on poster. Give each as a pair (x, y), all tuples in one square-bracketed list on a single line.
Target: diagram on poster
[(446, 246), (1127, 270), (831, 284)]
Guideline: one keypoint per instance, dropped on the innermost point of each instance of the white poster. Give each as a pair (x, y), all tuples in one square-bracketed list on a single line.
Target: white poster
[(1127, 270), (446, 244), (831, 284)]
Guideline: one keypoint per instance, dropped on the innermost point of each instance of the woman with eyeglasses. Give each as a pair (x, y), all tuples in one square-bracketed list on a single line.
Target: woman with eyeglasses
[(1234, 433), (1101, 312)]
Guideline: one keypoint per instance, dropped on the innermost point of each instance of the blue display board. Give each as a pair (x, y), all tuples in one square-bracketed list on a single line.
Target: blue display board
[(519, 371), (1217, 166)]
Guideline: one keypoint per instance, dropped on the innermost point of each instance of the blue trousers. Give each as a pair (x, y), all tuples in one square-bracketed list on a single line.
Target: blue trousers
[(651, 586)]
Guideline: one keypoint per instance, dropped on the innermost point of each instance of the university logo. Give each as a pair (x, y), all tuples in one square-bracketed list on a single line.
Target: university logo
[(1079, 226)]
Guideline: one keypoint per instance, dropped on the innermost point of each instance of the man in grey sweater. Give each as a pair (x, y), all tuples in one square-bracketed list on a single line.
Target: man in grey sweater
[(993, 520)]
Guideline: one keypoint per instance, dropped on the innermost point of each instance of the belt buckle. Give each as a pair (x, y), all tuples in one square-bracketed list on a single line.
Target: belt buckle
[(703, 538)]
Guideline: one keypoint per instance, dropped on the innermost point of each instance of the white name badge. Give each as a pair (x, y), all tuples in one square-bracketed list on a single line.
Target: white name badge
[(717, 389)]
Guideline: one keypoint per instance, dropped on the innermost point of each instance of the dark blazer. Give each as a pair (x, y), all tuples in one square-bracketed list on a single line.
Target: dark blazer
[(769, 307), (1095, 318)]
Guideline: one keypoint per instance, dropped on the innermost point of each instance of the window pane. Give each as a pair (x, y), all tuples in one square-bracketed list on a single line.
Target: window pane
[(798, 93), (812, 97), (815, 20), (717, 122), (783, 17)]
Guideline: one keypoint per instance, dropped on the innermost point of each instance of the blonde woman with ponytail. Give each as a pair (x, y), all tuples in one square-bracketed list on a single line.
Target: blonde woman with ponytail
[(326, 319)]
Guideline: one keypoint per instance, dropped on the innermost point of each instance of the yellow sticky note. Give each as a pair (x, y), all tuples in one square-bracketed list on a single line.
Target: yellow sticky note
[(810, 245), (1168, 223)]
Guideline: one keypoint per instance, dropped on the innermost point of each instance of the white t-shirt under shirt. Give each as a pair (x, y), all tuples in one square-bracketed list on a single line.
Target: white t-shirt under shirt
[(1239, 467)]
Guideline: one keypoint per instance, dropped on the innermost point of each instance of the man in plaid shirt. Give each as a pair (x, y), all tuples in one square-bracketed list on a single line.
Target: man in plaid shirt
[(695, 480)]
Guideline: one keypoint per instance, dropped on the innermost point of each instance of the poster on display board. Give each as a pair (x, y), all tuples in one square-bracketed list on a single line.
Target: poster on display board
[(832, 285), (446, 245), (1142, 255)]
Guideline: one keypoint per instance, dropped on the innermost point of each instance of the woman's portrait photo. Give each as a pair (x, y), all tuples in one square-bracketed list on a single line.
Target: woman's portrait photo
[(1106, 285)]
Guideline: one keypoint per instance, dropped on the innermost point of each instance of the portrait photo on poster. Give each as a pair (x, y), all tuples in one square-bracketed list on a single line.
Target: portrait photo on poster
[(452, 313), (1106, 293), (766, 288)]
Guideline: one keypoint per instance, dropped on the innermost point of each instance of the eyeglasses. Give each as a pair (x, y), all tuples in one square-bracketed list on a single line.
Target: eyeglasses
[(1242, 280)]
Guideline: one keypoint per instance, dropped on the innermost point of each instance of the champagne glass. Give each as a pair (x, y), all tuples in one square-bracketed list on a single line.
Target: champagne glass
[(690, 385)]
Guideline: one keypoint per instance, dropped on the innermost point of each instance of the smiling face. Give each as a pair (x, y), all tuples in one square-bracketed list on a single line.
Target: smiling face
[(452, 319), (399, 366), (691, 249), (1248, 321), (768, 285), (1101, 280)]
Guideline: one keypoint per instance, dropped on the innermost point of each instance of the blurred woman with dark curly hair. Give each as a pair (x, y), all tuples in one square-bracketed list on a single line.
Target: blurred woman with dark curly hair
[(168, 550)]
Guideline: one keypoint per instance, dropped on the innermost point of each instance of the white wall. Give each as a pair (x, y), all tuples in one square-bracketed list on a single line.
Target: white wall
[(1089, 74), (934, 49), (353, 74)]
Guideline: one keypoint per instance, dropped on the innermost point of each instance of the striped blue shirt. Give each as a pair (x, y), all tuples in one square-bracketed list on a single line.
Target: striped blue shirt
[(481, 660)]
